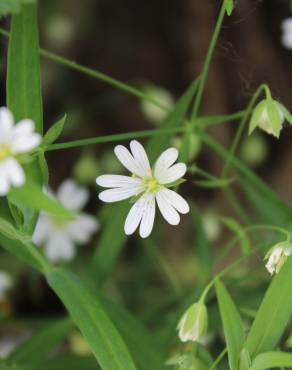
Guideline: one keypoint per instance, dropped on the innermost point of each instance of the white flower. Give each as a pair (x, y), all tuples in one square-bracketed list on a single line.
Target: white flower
[(5, 284), (150, 184), (277, 256), (58, 236), (14, 141), (193, 324), (286, 38)]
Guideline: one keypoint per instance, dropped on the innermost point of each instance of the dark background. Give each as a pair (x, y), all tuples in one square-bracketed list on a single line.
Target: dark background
[(163, 42)]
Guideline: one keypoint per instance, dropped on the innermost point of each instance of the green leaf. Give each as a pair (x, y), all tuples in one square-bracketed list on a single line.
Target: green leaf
[(229, 5), (45, 341), (270, 360), (146, 350), (23, 74), (175, 118), (232, 324), (54, 132), (202, 243), (110, 243), (88, 314), (23, 79), (273, 315), (214, 184), (31, 195), (72, 362), (12, 6), (265, 194), (233, 225), (20, 245)]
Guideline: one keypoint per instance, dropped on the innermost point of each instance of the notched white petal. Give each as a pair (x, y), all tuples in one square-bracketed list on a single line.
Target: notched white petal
[(6, 124), (176, 200), (148, 217), (141, 158), (71, 195), (172, 174), (117, 181), (166, 209), (117, 194), (127, 160), (134, 216), (165, 160)]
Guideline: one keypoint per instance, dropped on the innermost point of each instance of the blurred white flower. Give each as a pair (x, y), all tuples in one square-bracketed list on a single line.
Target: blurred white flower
[(60, 236), (286, 38), (150, 184), (193, 324), (277, 256), (14, 141), (152, 112), (5, 284)]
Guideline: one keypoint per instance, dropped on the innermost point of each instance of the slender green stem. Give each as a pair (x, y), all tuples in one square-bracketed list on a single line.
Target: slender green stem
[(240, 129), (95, 74), (207, 62), (218, 359), (164, 267), (206, 121), (239, 260)]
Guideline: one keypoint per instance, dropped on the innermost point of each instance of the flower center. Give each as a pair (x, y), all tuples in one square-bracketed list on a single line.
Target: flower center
[(4, 151), (151, 184)]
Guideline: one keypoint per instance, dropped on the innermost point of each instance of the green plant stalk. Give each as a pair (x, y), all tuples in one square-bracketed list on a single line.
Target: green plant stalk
[(241, 127), (93, 73), (164, 266), (207, 62), (228, 268), (206, 121), (218, 359)]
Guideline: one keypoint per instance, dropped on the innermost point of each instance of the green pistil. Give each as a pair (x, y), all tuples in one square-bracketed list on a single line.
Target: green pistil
[(151, 184)]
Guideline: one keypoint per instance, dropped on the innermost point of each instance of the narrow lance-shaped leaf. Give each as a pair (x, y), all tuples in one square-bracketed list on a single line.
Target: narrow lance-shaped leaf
[(229, 5), (88, 314), (146, 350), (23, 78), (20, 245), (31, 195), (270, 360), (54, 132), (44, 342), (232, 324), (273, 314), (265, 194)]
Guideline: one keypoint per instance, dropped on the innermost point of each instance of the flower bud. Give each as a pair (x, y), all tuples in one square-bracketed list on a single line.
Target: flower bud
[(269, 115), (277, 256), (152, 112), (193, 324)]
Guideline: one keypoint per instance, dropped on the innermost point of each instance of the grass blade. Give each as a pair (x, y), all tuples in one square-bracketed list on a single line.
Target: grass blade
[(273, 314), (233, 329), (26, 353), (270, 360), (88, 314)]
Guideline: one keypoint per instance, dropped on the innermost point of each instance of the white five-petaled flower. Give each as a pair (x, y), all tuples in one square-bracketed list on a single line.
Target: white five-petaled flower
[(60, 236), (277, 256), (151, 185), (286, 38), (14, 141)]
